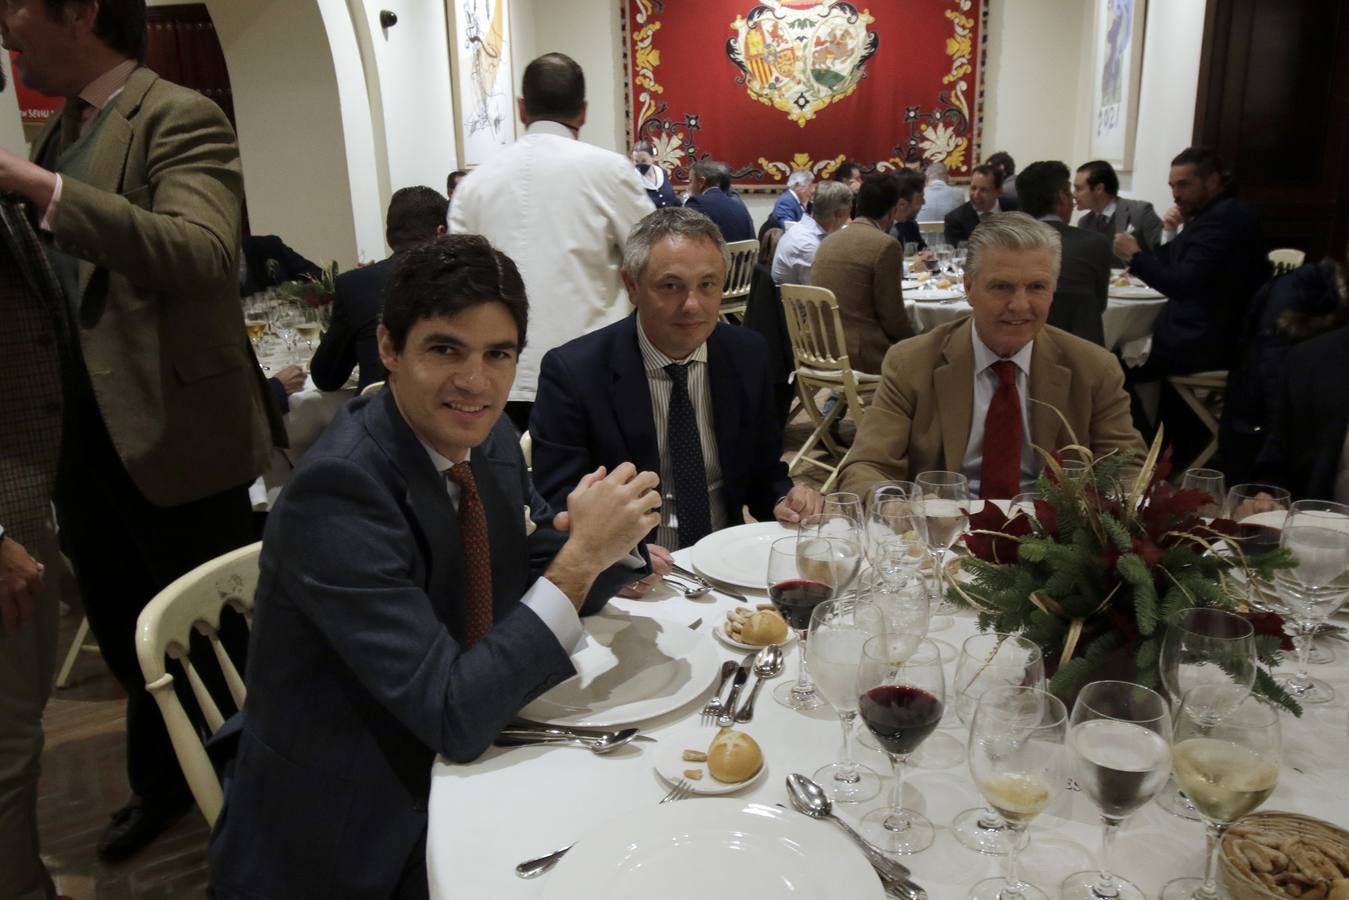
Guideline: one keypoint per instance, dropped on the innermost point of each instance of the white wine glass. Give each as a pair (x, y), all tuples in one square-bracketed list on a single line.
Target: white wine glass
[(1313, 588), (1227, 767), (1119, 744), (1211, 482), (1016, 759), (945, 498), (839, 629)]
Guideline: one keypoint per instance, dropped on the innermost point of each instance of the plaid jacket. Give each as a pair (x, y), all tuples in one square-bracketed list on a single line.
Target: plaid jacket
[(32, 334)]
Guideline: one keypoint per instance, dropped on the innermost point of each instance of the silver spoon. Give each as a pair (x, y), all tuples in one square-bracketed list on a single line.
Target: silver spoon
[(768, 664), (599, 745), (691, 592), (809, 798)]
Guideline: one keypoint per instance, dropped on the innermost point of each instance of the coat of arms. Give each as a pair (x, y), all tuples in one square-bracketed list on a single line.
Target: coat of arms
[(801, 55)]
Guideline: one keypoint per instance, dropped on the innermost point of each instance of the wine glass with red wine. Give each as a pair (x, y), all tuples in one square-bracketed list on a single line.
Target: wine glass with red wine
[(900, 699), (796, 590)]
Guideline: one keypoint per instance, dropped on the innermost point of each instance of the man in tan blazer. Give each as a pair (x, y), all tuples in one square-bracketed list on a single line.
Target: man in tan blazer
[(862, 265), (137, 182), (977, 395)]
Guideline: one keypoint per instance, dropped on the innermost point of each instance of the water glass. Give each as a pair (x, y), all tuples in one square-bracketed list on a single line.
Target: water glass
[(1313, 589), (945, 499), (839, 629)]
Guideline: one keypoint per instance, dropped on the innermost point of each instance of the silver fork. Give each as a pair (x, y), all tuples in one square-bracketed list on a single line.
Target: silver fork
[(712, 710), (532, 868)]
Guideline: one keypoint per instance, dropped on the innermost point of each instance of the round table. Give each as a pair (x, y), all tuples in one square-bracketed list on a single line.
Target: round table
[(515, 803)]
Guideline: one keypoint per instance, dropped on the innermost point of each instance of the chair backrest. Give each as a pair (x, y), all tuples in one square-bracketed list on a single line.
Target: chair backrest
[(815, 327), (932, 228), (1286, 259), (527, 449), (194, 602), (740, 258), (373, 387)]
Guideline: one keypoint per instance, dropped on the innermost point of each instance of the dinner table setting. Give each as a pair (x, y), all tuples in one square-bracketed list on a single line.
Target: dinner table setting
[(800, 712)]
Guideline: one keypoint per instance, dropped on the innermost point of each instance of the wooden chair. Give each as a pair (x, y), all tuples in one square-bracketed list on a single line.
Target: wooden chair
[(739, 272), (1203, 392), (816, 330), (1286, 259), (373, 387), (932, 229), (164, 629)]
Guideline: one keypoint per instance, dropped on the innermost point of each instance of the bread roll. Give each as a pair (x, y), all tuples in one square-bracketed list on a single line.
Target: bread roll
[(764, 627), (733, 756)]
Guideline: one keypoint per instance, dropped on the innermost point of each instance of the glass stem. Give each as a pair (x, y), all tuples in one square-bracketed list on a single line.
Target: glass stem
[(1105, 883), (1014, 887), (898, 819), (1304, 652), (846, 719), (1209, 889), (938, 558), (803, 684)]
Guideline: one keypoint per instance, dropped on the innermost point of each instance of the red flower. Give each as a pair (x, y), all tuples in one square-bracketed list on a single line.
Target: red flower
[(1049, 518), (992, 535), (1148, 551)]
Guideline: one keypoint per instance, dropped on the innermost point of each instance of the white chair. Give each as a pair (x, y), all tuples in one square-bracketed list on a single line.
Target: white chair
[(932, 229), (818, 344), (527, 449), (1286, 259), (739, 274), (373, 387), (194, 602), (1203, 392)]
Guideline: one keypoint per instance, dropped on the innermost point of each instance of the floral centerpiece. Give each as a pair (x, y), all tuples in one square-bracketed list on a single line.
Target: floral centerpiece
[(311, 292), (1105, 563)]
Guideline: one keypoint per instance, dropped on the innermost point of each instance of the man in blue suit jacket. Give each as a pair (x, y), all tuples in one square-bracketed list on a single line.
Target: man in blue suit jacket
[(709, 194), (611, 396), (403, 609), (791, 203)]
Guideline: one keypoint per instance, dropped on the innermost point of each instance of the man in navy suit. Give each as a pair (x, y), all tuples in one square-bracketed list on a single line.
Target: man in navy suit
[(671, 390), (985, 184), (404, 609), (710, 194), (416, 215)]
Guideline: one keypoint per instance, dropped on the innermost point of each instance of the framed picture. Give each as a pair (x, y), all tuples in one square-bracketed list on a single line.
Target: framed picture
[(483, 81), (1118, 65)]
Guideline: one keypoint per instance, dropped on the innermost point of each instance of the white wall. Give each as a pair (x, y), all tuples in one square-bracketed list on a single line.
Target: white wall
[(588, 32), (11, 127)]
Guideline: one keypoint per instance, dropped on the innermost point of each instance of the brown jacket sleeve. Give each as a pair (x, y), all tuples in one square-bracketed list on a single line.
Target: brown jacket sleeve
[(888, 296)]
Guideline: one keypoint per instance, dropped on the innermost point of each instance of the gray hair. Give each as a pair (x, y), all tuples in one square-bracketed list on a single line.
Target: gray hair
[(670, 221), (799, 178), (830, 197), (713, 172), (937, 172), (1011, 231)]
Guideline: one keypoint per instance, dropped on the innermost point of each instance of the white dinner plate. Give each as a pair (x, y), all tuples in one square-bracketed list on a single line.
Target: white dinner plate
[(720, 632), (1134, 293), (909, 284), (922, 294), (739, 556), (714, 847), (670, 763), (634, 667)]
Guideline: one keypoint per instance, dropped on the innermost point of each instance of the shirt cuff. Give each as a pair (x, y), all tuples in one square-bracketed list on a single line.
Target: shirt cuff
[(557, 614), (49, 216), (1169, 235)]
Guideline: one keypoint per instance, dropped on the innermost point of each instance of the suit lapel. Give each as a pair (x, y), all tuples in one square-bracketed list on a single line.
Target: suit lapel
[(726, 405), (631, 399), (954, 383), (1049, 383)]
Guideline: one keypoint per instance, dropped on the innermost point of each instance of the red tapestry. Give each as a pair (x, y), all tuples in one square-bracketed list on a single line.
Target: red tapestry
[(769, 86)]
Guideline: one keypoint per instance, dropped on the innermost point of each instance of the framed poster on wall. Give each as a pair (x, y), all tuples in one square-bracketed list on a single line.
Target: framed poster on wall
[(770, 86), (483, 81), (1118, 65)]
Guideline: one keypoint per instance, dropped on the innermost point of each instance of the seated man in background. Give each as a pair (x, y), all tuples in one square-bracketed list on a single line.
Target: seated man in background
[(984, 201), (862, 265), (1096, 190), (416, 215), (1045, 193), (939, 196), (404, 608), (791, 203), (266, 261), (796, 249), (974, 395), (671, 390), (709, 194), (912, 196)]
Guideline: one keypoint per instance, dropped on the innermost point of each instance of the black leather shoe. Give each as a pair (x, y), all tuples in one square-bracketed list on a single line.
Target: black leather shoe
[(134, 826)]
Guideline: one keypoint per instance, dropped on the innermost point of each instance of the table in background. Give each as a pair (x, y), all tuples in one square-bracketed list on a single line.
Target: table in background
[(516, 803)]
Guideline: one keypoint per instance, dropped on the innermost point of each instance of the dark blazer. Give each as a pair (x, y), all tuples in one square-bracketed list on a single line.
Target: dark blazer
[(1147, 225), (594, 409), (908, 232), (350, 339), (356, 677), (1209, 273), (961, 221), (1084, 278), (730, 214), (1307, 434), (258, 250)]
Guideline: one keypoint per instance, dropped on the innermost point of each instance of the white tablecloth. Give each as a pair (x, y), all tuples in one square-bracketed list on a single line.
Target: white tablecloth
[(1124, 320), (516, 803)]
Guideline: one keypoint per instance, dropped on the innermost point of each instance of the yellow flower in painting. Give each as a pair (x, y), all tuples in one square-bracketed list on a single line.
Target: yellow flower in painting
[(801, 161), (667, 149), (957, 47), (938, 142), (648, 58), (956, 158)]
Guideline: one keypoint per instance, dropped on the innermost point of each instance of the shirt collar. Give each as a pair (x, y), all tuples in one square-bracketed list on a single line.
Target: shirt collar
[(545, 126), (815, 226), (1109, 209), (443, 464), (655, 361), (100, 92), (984, 357)]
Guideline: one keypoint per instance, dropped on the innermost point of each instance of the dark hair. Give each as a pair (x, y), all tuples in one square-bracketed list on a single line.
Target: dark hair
[(716, 174), (878, 195), (1003, 162), (1206, 162), (447, 275), (452, 180), (1098, 172), (990, 171), (909, 182), (1040, 185), (847, 170), (553, 87), (120, 24), (414, 215)]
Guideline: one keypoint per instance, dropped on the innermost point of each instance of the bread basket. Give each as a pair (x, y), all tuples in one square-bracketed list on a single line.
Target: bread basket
[(1302, 846)]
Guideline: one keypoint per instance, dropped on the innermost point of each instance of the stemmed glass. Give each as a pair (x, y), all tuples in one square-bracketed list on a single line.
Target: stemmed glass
[(894, 519), (796, 594), (838, 631), (945, 499), (1119, 742), (1228, 767), (901, 702), (1205, 646), (1314, 587), (256, 322), (841, 535), (1211, 482), (1016, 745), (989, 661)]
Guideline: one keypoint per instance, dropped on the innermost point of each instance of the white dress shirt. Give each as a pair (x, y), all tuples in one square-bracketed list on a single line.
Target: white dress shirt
[(796, 252), (986, 383), (562, 210), (700, 395), (939, 198)]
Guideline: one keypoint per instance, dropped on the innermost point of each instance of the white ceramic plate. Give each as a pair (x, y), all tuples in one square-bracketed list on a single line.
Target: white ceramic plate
[(715, 847), (670, 763), (738, 556), (909, 284), (720, 632), (1134, 293), (922, 294), (634, 667)]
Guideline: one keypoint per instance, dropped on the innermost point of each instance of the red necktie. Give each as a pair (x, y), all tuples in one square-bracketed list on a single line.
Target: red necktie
[(477, 554), (1001, 474)]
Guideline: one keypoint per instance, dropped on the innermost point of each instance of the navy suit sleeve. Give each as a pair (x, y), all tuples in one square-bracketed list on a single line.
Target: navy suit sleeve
[(558, 426), (770, 479), (278, 394), (955, 228), (1187, 266), (336, 354)]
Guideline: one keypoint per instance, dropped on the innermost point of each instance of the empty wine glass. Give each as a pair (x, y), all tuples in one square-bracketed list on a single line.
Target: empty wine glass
[(988, 661), (901, 702), (1227, 767), (1313, 588), (838, 631), (1247, 500), (841, 535), (1119, 743), (945, 498), (894, 518), (1211, 482), (1016, 749), (1023, 504), (796, 594)]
